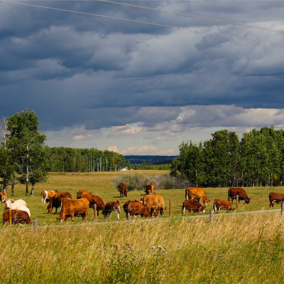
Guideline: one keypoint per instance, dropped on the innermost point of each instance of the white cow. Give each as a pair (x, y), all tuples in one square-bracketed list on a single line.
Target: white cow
[(19, 204)]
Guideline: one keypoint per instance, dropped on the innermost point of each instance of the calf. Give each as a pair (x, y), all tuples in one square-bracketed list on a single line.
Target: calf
[(222, 204), (3, 197), (150, 188), (72, 208), (47, 195), (93, 199), (112, 206), (154, 203), (196, 193), (233, 192), (134, 208), (18, 216), (122, 190), (192, 205), (275, 198), (81, 192), (55, 201)]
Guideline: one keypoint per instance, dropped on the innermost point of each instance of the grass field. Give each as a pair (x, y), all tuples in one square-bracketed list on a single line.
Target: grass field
[(235, 249), (100, 184)]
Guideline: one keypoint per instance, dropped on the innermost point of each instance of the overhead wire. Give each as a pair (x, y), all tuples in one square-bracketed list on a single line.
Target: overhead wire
[(191, 16), (139, 22)]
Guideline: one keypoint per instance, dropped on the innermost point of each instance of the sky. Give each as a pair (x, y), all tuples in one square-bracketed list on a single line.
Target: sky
[(141, 89)]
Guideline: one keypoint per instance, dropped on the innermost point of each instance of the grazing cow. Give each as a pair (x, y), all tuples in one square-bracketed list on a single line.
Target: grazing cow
[(154, 203), (3, 197), (222, 204), (81, 192), (13, 204), (122, 190), (134, 208), (75, 207), (196, 193), (234, 191), (93, 199), (192, 205), (150, 188), (47, 195), (18, 216), (55, 201), (112, 206), (275, 198)]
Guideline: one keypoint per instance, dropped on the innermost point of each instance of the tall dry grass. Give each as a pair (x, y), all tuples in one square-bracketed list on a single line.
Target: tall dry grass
[(236, 249)]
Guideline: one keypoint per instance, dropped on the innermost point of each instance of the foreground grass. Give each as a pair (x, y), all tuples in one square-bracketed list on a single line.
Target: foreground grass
[(239, 249)]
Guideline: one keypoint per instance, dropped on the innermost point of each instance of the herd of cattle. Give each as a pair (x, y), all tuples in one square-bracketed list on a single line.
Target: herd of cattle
[(149, 205)]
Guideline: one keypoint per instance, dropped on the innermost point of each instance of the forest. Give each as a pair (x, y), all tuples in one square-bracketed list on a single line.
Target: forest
[(65, 159), (225, 160)]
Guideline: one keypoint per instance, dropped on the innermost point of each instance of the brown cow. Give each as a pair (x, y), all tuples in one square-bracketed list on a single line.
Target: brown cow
[(75, 207), (18, 216), (80, 192), (150, 188), (134, 208), (47, 195), (222, 204), (196, 193), (122, 190), (112, 206), (93, 199), (192, 205), (234, 191), (55, 201), (275, 198), (154, 203), (3, 197)]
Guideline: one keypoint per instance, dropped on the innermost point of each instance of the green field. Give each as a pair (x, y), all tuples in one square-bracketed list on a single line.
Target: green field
[(100, 184), (234, 249)]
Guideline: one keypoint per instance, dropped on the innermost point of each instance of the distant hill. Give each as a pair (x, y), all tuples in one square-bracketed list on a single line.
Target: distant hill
[(150, 160)]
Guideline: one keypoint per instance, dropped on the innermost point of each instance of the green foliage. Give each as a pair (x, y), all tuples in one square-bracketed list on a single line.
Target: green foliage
[(65, 159), (26, 147), (224, 160)]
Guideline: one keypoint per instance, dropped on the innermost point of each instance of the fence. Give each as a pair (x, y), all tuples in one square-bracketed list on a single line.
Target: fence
[(174, 210)]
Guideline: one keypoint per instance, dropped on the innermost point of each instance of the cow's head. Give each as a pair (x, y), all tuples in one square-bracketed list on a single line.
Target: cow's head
[(49, 208), (205, 202), (125, 193), (202, 209), (247, 200), (8, 203)]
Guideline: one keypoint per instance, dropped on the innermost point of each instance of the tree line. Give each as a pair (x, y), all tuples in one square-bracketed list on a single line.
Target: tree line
[(225, 160), (65, 159)]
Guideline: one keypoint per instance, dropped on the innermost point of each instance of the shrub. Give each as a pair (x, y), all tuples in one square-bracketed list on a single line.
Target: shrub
[(139, 181)]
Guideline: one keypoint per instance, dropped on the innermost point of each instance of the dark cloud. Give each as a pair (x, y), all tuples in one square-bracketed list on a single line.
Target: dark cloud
[(76, 70)]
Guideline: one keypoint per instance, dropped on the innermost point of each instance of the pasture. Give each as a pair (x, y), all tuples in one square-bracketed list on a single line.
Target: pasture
[(236, 249)]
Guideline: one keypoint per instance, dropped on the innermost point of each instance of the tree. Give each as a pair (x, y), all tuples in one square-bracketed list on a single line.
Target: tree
[(27, 145), (7, 168)]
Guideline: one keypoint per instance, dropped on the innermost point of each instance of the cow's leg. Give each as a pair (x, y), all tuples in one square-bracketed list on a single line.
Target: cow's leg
[(190, 211)]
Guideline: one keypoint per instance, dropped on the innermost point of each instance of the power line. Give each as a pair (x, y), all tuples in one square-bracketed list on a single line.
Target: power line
[(140, 22), (191, 16)]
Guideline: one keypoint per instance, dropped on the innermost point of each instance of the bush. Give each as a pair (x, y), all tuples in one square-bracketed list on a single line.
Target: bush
[(139, 181)]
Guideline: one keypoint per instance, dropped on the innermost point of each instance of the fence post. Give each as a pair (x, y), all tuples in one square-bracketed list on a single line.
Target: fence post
[(35, 224), (170, 207), (10, 217), (95, 212), (282, 208), (211, 216), (237, 200)]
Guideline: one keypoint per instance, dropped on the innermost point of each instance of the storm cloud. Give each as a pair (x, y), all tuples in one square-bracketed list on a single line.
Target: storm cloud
[(91, 78)]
